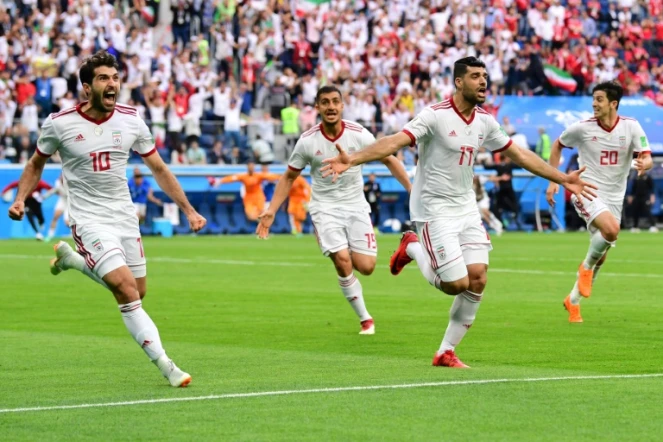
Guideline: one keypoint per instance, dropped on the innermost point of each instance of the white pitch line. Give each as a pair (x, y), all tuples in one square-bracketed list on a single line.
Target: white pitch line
[(203, 260), (326, 390)]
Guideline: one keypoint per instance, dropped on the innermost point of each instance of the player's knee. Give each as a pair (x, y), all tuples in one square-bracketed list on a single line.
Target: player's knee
[(610, 232), (126, 291), (454, 288), (343, 263), (365, 267)]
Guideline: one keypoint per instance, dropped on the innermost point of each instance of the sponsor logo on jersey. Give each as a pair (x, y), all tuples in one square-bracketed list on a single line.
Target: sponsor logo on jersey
[(441, 253), (79, 137), (96, 244), (117, 137), (453, 133), (594, 139), (643, 141), (318, 153)]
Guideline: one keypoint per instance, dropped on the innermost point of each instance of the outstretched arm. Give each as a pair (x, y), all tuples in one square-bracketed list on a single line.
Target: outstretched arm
[(398, 171), (379, 150), (26, 184), (167, 181), (555, 157), (280, 194), (531, 162)]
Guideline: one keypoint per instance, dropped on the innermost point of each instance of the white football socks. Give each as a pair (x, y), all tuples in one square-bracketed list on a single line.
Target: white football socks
[(461, 317), (142, 329), (597, 248), (415, 251), (351, 288)]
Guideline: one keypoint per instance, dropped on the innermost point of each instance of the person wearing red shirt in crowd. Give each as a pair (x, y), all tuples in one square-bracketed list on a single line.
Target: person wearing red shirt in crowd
[(574, 25), (511, 20), (560, 35), (302, 53)]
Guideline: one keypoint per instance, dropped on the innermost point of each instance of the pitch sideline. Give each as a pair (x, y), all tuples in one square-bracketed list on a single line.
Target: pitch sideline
[(326, 390)]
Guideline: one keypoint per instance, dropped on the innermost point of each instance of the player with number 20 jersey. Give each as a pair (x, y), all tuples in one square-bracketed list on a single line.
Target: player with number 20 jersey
[(606, 145)]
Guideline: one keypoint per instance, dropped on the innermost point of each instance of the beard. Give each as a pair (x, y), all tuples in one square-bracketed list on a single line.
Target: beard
[(472, 97), (97, 101)]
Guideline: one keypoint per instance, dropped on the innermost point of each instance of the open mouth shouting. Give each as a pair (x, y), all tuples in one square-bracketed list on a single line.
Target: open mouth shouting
[(109, 97)]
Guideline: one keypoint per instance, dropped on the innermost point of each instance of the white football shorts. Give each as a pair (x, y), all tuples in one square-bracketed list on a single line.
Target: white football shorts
[(141, 209), (345, 230), (484, 203), (107, 247), (452, 244), (589, 210)]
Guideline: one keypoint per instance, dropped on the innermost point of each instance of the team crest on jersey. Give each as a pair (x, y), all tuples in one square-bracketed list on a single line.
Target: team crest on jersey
[(441, 253), (480, 139), (117, 138), (622, 142), (96, 244)]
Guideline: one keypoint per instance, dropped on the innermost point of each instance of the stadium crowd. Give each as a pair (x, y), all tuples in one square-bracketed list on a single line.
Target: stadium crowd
[(219, 67)]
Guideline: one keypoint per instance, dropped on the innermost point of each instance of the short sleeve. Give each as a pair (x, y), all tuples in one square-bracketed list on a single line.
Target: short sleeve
[(571, 136), (496, 139), (299, 158), (639, 140), (421, 127), (49, 141), (367, 139), (144, 143)]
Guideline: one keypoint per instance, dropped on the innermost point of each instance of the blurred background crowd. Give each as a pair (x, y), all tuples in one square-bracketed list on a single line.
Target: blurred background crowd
[(225, 81)]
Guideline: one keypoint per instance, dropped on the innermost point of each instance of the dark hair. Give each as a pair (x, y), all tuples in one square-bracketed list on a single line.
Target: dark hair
[(613, 90), (461, 65), (327, 90), (101, 58)]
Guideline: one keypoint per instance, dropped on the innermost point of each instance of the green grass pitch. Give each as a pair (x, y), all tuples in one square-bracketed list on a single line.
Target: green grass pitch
[(247, 316)]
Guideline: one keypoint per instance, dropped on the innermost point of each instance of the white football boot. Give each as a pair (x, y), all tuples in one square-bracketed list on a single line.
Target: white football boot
[(65, 258), (172, 372)]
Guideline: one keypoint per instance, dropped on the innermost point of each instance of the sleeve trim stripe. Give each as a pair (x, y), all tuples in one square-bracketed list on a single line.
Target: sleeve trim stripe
[(505, 147), (413, 140), (294, 168), (643, 152), (42, 154), (153, 151)]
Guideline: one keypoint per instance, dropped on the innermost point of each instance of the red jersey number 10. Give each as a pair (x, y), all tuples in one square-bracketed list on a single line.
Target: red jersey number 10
[(100, 161)]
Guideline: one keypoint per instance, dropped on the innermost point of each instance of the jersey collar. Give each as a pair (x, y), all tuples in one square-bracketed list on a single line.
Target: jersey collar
[(613, 126), (462, 117), (322, 131), (79, 108)]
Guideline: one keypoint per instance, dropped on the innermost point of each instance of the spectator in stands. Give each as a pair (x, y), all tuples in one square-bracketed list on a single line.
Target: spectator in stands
[(44, 94), (216, 153), (233, 124), (543, 145), (178, 155), (236, 156), (266, 127), (30, 119), (641, 200), (262, 151), (290, 119), (195, 155)]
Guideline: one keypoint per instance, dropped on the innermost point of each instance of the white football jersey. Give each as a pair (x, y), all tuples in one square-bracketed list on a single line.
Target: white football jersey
[(347, 193), (448, 144), (94, 160), (607, 153)]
